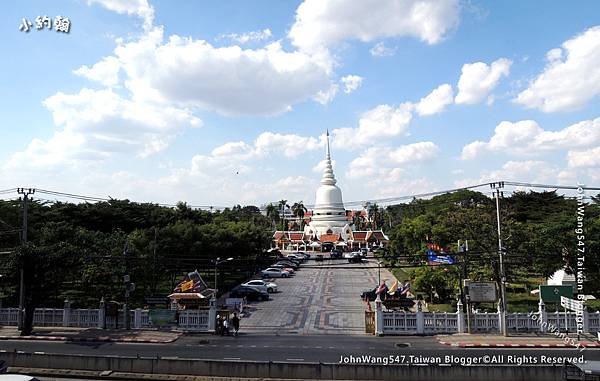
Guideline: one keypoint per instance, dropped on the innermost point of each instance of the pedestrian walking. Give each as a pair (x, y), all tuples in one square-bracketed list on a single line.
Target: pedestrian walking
[(235, 321), (219, 330), (225, 325)]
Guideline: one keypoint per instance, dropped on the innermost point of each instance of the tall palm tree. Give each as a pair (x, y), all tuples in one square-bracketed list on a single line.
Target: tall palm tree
[(374, 215), (272, 213), (282, 205), (298, 209)]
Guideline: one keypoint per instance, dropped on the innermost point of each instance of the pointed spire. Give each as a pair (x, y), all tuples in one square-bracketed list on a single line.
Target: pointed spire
[(328, 176)]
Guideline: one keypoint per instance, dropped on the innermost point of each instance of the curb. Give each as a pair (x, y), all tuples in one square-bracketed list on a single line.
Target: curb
[(512, 345), (87, 339)]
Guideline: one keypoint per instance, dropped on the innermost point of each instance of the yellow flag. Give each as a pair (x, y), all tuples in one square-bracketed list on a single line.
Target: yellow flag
[(393, 288), (187, 285)]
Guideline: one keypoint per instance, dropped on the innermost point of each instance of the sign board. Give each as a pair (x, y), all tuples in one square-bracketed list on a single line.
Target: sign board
[(482, 292), (552, 294), (162, 318), (235, 304), (571, 304)]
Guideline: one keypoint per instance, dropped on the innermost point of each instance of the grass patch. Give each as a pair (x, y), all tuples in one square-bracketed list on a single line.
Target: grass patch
[(446, 307)]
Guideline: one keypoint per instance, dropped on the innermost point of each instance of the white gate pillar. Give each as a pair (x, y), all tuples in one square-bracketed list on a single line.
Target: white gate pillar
[(542, 316), (420, 318), (66, 313), (212, 315), (460, 318), (378, 317)]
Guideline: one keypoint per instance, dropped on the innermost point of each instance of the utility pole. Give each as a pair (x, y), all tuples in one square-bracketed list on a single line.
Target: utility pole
[(498, 194), (466, 299), (129, 286), (25, 193)]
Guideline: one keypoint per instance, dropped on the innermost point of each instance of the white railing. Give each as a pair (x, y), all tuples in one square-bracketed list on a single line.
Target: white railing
[(398, 322), (193, 320), (440, 322), (83, 318), (9, 316), (409, 323)]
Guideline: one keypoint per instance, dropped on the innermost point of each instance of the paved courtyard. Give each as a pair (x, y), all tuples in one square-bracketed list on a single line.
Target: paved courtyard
[(317, 300)]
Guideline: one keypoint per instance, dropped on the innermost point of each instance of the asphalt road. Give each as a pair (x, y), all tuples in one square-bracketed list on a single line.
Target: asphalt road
[(315, 348)]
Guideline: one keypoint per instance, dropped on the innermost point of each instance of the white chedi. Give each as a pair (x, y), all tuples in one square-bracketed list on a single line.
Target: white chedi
[(329, 214)]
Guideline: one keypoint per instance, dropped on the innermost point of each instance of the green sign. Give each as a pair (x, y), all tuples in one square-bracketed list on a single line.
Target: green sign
[(161, 318), (552, 294)]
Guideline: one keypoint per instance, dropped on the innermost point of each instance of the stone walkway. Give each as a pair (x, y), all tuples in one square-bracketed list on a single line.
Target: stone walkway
[(317, 300)]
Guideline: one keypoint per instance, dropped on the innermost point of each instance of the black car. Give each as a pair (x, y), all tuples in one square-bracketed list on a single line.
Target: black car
[(288, 263), (335, 254), (249, 293)]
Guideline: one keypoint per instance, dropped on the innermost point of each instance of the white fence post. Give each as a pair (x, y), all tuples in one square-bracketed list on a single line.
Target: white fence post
[(378, 317), (543, 317), (66, 313), (420, 319), (500, 318), (212, 315), (460, 318), (102, 314), (137, 318)]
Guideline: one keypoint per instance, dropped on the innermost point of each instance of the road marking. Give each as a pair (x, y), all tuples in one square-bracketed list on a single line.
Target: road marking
[(39, 353), (294, 359), (231, 358)]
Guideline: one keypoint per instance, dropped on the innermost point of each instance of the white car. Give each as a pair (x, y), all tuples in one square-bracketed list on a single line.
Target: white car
[(261, 285), (352, 254), (275, 273), (17, 377)]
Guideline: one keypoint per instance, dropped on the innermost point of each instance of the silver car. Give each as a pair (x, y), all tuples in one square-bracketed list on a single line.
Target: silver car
[(275, 273), (261, 285)]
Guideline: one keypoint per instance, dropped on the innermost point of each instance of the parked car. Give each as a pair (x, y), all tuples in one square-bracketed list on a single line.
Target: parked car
[(335, 254), (319, 258), (249, 293), (295, 257), (364, 251), (275, 273), (283, 267), (261, 285), (288, 263), (302, 254), (354, 257)]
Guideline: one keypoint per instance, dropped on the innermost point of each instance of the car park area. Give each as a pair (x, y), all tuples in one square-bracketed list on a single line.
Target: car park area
[(322, 297)]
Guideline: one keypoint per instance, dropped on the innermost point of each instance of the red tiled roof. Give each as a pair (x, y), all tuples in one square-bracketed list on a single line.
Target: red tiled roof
[(379, 235), (330, 238), (360, 235), (296, 236)]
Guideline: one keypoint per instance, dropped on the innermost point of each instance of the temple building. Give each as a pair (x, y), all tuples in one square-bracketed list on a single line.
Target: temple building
[(329, 224)]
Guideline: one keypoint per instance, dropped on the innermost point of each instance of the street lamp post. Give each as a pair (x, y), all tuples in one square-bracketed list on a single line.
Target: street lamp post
[(217, 262), (498, 194)]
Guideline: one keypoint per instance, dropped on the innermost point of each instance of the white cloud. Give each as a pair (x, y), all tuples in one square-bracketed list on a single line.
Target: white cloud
[(253, 36), (290, 145), (533, 171), (571, 77), (327, 95), (436, 101), (526, 137), (229, 80), (97, 124), (140, 8), (584, 159), (387, 161), (380, 50), (478, 79), (105, 71), (351, 83), (382, 122), (320, 24)]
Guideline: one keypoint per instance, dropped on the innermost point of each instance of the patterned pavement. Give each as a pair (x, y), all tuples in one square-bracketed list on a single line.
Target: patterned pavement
[(317, 300)]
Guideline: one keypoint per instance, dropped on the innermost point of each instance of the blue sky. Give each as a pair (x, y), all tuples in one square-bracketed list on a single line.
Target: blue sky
[(218, 103)]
